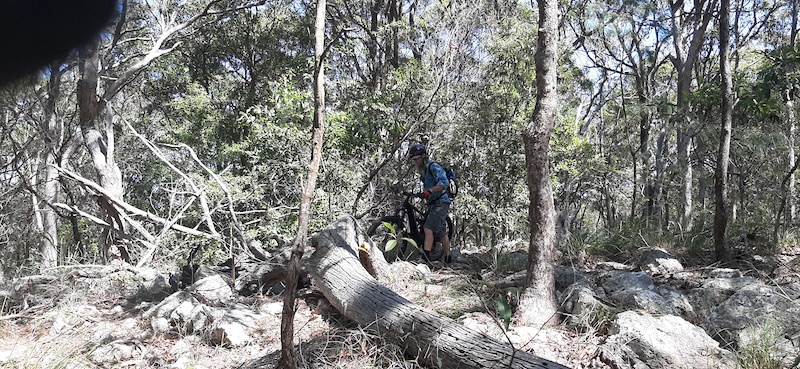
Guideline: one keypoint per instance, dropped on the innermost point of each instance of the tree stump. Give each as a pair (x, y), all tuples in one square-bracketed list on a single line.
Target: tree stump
[(434, 340)]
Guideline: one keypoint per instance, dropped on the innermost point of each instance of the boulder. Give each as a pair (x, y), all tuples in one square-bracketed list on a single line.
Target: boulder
[(212, 289), (235, 326), (659, 261), (753, 311), (152, 285), (644, 341), (583, 309)]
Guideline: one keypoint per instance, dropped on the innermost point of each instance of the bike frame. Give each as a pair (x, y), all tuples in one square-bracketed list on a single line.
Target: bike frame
[(414, 218)]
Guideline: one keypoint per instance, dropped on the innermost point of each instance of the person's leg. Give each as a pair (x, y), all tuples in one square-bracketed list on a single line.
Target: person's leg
[(445, 240), (428, 245), (436, 229)]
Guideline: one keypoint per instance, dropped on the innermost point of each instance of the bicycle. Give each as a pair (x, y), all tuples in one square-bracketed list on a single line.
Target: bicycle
[(407, 222)]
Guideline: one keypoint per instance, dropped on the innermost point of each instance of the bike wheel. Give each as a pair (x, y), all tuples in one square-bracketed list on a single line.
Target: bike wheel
[(381, 235)]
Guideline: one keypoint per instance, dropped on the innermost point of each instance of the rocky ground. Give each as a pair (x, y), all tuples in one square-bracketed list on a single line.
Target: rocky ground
[(650, 313)]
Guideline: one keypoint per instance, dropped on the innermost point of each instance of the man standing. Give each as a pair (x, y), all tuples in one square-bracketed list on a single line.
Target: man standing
[(434, 182)]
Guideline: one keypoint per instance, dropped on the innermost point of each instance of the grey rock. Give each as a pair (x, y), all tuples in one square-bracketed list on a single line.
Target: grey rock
[(212, 289), (659, 261), (643, 341), (583, 309)]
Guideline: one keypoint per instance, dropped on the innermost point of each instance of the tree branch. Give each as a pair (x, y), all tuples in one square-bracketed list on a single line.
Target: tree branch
[(96, 188)]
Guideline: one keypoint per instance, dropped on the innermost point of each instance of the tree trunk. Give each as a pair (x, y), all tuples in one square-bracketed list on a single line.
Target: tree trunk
[(288, 356), (49, 246), (723, 154), (538, 303), (688, 33), (434, 340), (101, 149)]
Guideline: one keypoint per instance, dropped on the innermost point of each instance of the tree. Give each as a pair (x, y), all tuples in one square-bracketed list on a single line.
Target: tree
[(723, 154), (689, 25), (288, 357), (538, 303)]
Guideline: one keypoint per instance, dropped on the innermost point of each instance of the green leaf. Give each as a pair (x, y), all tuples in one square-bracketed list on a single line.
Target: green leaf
[(410, 241), (390, 245), (504, 309), (390, 226)]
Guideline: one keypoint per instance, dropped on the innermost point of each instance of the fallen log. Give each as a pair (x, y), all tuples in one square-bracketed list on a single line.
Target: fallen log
[(434, 340)]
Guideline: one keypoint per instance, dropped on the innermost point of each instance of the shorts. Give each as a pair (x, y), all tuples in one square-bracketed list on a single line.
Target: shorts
[(437, 218)]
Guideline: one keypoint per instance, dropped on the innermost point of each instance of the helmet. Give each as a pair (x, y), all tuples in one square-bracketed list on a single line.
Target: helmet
[(416, 150)]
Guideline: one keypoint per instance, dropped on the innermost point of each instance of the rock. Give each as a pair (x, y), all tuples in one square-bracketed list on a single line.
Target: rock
[(788, 270), (637, 290), (160, 325), (483, 323), (112, 353), (273, 308), (229, 332), (659, 261), (181, 310), (725, 273), (152, 285), (212, 289), (677, 301), (729, 284), (757, 306), (234, 327), (643, 341), (621, 282), (202, 272), (583, 309), (164, 308), (566, 276)]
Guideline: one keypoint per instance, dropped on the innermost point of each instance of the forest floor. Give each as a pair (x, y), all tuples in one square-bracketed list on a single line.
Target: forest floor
[(82, 325)]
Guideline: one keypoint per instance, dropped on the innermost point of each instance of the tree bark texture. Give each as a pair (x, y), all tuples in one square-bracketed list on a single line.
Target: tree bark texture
[(435, 341), (538, 303), (723, 154)]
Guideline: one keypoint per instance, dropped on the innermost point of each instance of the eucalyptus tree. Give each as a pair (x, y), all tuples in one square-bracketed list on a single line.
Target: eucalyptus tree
[(723, 155), (538, 304)]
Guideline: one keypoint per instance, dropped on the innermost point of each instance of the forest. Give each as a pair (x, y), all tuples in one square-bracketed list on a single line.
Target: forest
[(185, 131)]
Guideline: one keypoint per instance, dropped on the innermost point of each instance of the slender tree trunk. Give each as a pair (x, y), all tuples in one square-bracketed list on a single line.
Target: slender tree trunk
[(49, 248), (538, 303), (688, 28), (723, 154), (792, 118), (288, 355), (790, 192)]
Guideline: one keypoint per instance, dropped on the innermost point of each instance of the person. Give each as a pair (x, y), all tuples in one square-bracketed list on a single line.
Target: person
[(434, 182)]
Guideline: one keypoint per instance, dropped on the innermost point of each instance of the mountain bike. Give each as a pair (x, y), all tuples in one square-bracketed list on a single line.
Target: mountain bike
[(405, 224)]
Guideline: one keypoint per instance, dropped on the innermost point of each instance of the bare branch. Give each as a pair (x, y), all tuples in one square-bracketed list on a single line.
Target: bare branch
[(96, 188)]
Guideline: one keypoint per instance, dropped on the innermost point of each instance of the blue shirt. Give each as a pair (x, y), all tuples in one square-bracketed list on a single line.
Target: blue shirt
[(434, 175)]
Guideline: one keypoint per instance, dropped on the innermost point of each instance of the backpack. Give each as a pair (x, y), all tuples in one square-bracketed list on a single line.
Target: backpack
[(452, 189)]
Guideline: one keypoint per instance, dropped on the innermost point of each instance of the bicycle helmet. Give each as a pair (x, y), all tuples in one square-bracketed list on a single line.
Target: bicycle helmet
[(416, 150)]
